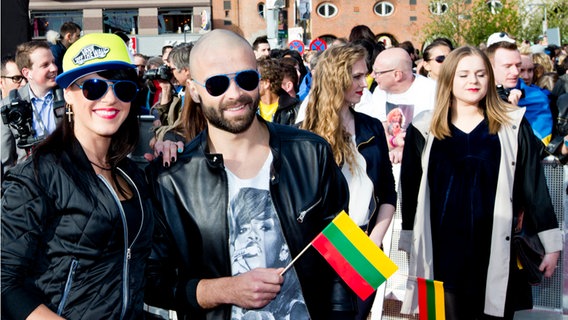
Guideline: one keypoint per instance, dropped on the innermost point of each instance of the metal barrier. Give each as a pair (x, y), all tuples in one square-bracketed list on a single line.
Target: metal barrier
[(550, 294)]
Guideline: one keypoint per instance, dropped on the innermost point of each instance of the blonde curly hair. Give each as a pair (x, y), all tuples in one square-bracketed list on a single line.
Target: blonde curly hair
[(332, 77)]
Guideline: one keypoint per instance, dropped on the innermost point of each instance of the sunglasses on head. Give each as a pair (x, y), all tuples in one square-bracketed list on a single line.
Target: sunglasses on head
[(15, 79), (440, 59), (218, 84), (94, 89)]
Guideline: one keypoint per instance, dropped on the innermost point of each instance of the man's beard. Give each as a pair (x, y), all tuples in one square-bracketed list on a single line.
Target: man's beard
[(235, 125)]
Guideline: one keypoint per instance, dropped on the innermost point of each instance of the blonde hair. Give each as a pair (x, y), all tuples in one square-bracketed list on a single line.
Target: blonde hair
[(332, 78), (547, 81), (544, 60), (494, 108)]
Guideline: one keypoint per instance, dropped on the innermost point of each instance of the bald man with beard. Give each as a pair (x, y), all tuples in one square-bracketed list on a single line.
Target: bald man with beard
[(199, 266), (398, 89)]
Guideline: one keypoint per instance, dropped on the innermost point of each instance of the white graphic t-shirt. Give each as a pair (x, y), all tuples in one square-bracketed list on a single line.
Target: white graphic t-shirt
[(397, 110), (419, 97), (256, 240)]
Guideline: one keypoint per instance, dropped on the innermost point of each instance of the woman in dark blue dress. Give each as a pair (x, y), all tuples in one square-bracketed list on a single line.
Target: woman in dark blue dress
[(469, 167)]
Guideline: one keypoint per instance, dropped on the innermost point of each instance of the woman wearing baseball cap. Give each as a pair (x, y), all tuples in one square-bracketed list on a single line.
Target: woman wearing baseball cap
[(76, 215)]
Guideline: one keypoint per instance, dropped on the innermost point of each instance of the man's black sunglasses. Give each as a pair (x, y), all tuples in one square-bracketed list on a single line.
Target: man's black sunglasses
[(15, 79), (218, 84)]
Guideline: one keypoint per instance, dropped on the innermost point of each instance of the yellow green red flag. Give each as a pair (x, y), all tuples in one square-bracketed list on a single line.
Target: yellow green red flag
[(354, 256), (431, 299)]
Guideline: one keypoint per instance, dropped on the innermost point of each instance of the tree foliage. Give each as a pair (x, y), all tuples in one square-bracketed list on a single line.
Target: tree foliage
[(472, 22), (556, 16)]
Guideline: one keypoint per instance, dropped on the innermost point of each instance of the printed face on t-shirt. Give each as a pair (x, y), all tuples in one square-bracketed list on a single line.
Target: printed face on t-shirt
[(253, 238)]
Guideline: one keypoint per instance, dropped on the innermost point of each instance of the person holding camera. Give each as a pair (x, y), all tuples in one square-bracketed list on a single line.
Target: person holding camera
[(171, 105), (506, 61), (77, 218), (171, 99), (28, 114)]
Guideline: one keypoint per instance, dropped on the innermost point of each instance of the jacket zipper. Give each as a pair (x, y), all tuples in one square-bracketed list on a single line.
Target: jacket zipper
[(365, 142), (303, 213), (141, 207), (375, 210), (373, 197), (68, 285), (127, 249)]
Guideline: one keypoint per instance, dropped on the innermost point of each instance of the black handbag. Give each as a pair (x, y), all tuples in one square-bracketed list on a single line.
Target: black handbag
[(530, 252)]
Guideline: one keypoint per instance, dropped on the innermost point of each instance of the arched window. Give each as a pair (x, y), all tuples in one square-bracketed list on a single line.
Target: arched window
[(438, 7), (260, 7), (495, 6), (383, 8), (327, 10)]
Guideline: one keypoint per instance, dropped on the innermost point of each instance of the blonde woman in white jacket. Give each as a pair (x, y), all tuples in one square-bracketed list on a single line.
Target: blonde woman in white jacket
[(469, 167)]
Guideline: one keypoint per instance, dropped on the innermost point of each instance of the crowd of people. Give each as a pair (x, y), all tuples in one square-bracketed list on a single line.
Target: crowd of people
[(254, 151)]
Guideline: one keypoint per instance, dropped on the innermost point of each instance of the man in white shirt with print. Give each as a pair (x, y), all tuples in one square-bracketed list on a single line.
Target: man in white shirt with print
[(399, 96)]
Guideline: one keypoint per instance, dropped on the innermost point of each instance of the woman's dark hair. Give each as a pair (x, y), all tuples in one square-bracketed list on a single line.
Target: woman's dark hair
[(426, 56), (295, 55), (362, 32), (67, 151), (275, 53), (436, 43), (373, 50)]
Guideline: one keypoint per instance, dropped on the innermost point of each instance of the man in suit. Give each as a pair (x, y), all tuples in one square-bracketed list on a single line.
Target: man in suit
[(37, 65)]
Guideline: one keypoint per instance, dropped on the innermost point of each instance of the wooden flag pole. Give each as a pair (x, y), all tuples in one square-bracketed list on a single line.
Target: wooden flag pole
[(296, 258)]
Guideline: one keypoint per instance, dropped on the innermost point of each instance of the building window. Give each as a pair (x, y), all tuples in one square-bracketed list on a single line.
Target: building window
[(52, 20), (120, 20), (173, 20), (226, 5), (438, 7), (261, 6), (412, 2), (495, 6), (413, 18), (383, 8), (327, 10)]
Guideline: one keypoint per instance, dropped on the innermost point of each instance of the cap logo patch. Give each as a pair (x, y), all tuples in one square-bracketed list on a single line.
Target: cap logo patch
[(90, 53)]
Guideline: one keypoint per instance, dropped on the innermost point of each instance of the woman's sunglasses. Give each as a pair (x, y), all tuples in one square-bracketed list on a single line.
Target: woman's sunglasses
[(94, 89), (440, 59), (218, 84)]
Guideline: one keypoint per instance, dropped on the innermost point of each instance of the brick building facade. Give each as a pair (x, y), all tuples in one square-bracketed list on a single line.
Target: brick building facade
[(395, 19)]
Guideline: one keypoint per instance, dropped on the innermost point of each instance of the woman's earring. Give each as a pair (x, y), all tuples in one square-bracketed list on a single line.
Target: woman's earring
[(69, 112)]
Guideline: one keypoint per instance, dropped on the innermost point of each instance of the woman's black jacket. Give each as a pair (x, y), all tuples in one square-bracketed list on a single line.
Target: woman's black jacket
[(65, 248)]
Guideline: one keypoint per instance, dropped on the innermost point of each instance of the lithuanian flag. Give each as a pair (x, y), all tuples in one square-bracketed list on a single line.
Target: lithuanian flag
[(354, 256), (431, 299)]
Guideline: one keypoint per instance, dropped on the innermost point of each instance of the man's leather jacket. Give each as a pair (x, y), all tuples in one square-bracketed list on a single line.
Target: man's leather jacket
[(287, 109), (307, 189)]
